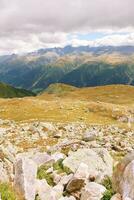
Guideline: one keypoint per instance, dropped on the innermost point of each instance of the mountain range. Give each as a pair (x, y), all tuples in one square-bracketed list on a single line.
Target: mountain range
[(78, 66)]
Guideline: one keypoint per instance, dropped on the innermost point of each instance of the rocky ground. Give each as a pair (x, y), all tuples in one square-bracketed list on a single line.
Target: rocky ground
[(56, 161)]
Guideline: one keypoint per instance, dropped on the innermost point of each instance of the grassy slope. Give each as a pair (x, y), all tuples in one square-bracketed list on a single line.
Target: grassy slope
[(7, 91), (91, 105)]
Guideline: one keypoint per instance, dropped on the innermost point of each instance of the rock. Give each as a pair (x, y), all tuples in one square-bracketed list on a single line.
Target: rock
[(65, 179), (78, 180), (127, 182), (56, 177), (25, 175), (92, 191), (42, 188), (119, 170), (75, 185), (3, 173), (123, 177), (46, 192), (99, 162), (67, 198), (57, 156), (58, 134), (90, 135), (116, 196), (42, 158)]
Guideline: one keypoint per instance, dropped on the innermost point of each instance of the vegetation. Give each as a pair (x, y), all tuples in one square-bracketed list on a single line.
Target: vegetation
[(101, 105), (109, 192), (58, 166), (7, 91), (7, 192), (43, 174)]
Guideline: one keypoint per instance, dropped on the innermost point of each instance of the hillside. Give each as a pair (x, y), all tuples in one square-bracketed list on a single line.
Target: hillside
[(7, 91), (100, 73), (63, 103)]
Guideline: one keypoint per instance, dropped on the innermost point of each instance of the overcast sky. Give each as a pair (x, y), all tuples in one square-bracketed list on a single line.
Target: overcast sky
[(27, 25)]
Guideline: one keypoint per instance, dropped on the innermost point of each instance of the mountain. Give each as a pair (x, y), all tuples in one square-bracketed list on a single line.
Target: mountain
[(7, 91), (95, 74), (78, 66)]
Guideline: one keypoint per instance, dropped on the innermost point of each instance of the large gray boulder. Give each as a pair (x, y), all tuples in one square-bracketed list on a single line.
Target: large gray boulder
[(99, 162), (25, 178), (123, 177), (126, 185), (92, 191)]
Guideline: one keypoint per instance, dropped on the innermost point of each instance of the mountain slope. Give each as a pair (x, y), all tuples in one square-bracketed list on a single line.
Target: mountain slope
[(7, 91), (95, 74)]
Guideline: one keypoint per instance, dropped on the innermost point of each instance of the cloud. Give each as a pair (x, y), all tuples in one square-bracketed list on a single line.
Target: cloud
[(29, 24)]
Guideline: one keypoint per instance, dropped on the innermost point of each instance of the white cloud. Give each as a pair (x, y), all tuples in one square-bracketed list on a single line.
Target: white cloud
[(31, 24)]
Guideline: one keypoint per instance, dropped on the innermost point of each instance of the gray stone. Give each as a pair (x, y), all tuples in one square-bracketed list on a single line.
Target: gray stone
[(78, 180), (25, 176), (99, 162), (92, 191)]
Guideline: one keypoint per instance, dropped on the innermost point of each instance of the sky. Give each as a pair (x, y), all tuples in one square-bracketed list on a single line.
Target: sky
[(28, 25)]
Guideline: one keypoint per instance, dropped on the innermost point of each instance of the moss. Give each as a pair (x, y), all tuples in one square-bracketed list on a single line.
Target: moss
[(42, 174), (7, 192), (58, 166), (109, 192), (107, 195)]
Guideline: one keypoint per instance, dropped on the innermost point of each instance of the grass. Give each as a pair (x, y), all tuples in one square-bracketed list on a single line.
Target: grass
[(109, 192), (57, 166), (97, 105), (7, 192), (42, 174)]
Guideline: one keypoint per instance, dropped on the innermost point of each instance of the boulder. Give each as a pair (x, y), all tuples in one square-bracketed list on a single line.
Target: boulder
[(119, 170), (99, 162), (127, 182), (116, 196), (42, 188), (90, 135), (42, 158), (46, 192), (92, 191), (78, 180), (25, 178)]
